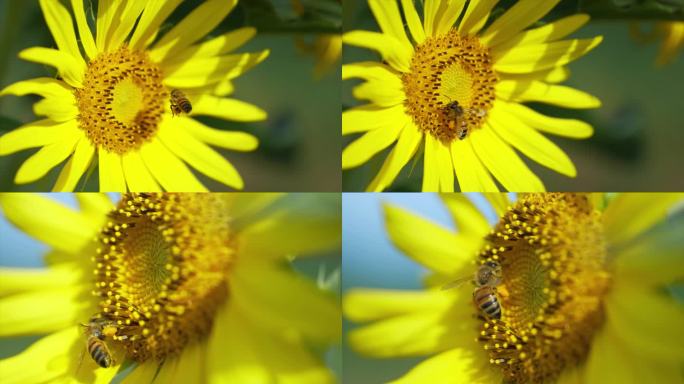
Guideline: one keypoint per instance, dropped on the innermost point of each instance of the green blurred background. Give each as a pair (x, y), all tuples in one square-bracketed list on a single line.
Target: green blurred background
[(639, 135), (299, 143)]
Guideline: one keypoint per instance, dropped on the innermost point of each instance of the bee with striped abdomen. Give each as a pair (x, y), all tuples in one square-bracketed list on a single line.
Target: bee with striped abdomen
[(486, 278), (96, 331), (179, 103), (455, 115)]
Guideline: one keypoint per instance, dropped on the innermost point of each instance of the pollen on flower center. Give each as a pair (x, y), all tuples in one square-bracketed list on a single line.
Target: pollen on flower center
[(122, 100), (551, 251), (444, 70), (162, 270)]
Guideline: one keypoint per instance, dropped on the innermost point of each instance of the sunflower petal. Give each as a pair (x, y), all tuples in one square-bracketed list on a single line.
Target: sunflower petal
[(58, 20), (233, 140), (111, 172), (559, 95), (361, 305), (362, 149), (439, 369), (193, 27), (94, 206), (549, 32), (186, 368), (431, 176), (217, 46), (472, 175), (122, 28), (41, 312), (449, 16), (468, 218), (227, 109), (630, 214), (201, 71), (389, 48), (48, 157), (368, 117), (75, 167), (407, 145), (383, 87), (387, 15), (199, 155), (106, 10), (44, 86), (537, 57), (48, 221), (522, 14), (156, 11), (168, 169), (476, 16), (427, 243), (83, 29), (504, 163), (18, 280), (530, 142), (138, 178), (56, 109), (576, 129), (413, 21), (142, 373), (68, 67), (36, 134), (442, 164)]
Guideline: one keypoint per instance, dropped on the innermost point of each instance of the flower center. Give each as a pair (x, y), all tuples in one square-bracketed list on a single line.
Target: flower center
[(551, 251), (162, 270), (450, 87), (122, 100)]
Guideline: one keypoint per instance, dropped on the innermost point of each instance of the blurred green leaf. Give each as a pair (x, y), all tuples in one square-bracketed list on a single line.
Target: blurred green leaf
[(319, 16), (633, 9)]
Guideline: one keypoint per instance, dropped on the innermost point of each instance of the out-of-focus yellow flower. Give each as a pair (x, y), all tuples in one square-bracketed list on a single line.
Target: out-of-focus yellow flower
[(191, 288), (326, 48), (670, 32), (114, 102), (580, 290), (457, 90)]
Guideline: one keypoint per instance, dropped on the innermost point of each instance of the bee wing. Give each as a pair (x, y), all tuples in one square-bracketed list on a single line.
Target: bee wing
[(456, 283)]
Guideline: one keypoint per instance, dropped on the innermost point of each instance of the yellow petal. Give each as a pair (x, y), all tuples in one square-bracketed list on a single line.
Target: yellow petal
[(476, 16), (368, 117), (106, 11), (471, 173), (75, 167), (408, 143), (630, 214), (48, 157), (169, 170), (36, 134), (522, 14), (228, 109), (440, 165), (199, 155), (361, 305), (576, 129), (362, 149), (58, 20), (246, 206), (286, 303), (449, 16), (156, 11), (549, 32), (472, 368), (499, 202), (295, 230), (647, 321), (201, 71), (95, 206), (553, 75), (142, 373), (427, 243), (387, 15), (128, 15), (537, 57), (44, 361), (18, 280), (233, 140), (138, 178), (431, 13), (504, 163), (86, 36), (389, 48), (431, 176), (111, 172), (48, 221), (383, 86), (68, 67), (413, 21), (217, 46), (529, 142), (468, 218), (56, 109), (186, 368), (545, 93), (41, 312), (654, 258), (192, 28), (44, 86)]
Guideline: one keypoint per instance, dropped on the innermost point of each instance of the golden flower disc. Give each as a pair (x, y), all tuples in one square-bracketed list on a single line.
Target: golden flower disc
[(122, 100), (446, 69), (162, 269), (551, 250)]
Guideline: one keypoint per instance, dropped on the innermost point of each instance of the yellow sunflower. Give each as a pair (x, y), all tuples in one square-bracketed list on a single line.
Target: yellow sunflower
[(573, 291), (326, 47), (184, 288), (672, 35), (111, 99), (458, 90)]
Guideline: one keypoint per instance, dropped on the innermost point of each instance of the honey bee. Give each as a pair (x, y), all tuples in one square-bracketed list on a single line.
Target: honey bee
[(486, 278), (96, 331), (455, 114), (179, 103)]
